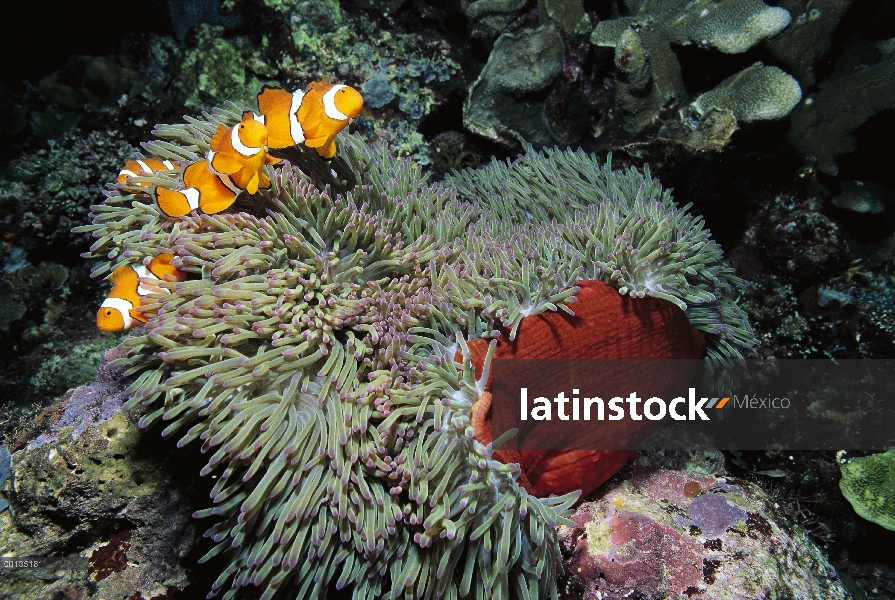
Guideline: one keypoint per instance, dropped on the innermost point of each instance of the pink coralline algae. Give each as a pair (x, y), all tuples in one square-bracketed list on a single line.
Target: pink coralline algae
[(714, 514), (652, 552), (677, 535), (88, 405)]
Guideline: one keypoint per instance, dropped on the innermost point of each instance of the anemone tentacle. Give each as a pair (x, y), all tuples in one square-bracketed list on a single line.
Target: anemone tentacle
[(311, 352)]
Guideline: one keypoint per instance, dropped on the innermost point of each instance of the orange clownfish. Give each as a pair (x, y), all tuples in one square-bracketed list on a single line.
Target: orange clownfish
[(234, 164), (142, 167), (118, 311), (312, 117)]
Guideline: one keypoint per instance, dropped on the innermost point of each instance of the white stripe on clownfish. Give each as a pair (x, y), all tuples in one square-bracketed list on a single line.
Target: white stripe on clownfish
[(122, 306), (295, 130), (146, 169), (144, 272), (192, 197), (225, 179), (239, 146), (329, 104)]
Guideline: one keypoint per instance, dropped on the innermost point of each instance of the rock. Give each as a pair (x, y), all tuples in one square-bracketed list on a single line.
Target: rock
[(675, 534), (799, 242), (866, 198), (506, 103), (90, 487)]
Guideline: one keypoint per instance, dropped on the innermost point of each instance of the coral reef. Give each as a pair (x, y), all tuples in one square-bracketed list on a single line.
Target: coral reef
[(660, 78), (649, 75), (677, 534), (202, 81), (506, 103), (49, 191), (10, 308), (94, 490), (808, 36), (417, 70), (39, 290), (91, 80), (868, 483), (187, 13), (567, 15), (386, 7), (41, 299), (823, 125), (313, 352)]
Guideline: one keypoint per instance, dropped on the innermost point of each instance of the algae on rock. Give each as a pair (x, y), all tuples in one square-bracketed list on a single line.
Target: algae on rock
[(492, 16), (506, 104), (220, 68)]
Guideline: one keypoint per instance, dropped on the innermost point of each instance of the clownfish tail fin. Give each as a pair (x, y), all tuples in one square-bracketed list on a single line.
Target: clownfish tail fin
[(270, 97)]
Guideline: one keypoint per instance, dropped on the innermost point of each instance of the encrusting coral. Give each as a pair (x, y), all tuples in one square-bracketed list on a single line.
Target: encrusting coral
[(868, 483), (311, 352)]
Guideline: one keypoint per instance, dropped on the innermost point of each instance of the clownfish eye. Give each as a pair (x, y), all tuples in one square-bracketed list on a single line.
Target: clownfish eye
[(242, 126), (108, 313)]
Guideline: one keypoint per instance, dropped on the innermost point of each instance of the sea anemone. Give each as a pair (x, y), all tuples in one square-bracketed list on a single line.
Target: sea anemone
[(312, 352)]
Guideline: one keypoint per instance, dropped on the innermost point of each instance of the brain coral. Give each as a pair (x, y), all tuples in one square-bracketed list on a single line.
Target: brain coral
[(311, 353)]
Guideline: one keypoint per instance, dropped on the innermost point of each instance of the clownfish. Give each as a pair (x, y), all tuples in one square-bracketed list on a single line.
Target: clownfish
[(118, 310), (233, 164), (311, 117), (142, 167)]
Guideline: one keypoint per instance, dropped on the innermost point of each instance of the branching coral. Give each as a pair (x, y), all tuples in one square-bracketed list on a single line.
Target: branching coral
[(312, 353), (649, 75)]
